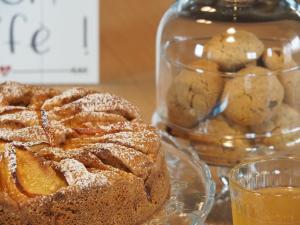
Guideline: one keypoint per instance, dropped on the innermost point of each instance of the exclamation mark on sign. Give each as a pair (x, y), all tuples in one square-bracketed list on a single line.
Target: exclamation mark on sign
[(85, 35)]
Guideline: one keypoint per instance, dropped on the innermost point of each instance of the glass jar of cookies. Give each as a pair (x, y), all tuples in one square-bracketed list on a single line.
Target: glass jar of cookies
[(228, 78)]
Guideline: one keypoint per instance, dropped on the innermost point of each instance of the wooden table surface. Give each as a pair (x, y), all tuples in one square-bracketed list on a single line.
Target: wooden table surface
[(128, 29)]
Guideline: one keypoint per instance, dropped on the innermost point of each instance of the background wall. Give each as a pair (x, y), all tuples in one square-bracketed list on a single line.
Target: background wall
[(128, 29)]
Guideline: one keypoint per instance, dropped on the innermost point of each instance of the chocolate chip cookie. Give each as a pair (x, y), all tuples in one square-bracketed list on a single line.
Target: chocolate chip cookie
[(290, 80), (193, 93), (282, 130), (218, 141), (273, 58), (233, 50), (252, 97)]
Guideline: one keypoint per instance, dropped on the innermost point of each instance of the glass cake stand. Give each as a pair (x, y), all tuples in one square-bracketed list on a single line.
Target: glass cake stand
[(192, 188)]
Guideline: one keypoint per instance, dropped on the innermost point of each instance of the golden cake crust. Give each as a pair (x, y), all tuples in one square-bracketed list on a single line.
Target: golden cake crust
[(109, 167)]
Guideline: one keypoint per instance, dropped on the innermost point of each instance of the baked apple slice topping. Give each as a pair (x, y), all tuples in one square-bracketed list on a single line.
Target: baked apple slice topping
[(7, 181), (34, 177)]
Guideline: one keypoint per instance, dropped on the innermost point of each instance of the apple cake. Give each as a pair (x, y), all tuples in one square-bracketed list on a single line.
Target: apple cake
[(76, 157)]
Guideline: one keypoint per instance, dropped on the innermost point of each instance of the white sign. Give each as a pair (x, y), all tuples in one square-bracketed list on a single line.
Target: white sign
[(49, 41)]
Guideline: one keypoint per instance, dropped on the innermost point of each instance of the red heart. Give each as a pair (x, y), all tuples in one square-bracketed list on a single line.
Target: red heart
[(4, 70)]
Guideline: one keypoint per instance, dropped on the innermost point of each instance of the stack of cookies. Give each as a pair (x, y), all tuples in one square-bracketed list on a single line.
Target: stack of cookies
[(240, 97)]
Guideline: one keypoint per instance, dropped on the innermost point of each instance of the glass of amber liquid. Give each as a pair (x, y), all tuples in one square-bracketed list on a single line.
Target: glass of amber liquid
[(266, 192)]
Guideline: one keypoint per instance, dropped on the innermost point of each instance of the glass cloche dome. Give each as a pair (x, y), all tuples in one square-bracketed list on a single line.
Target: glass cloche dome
[(228, 78)]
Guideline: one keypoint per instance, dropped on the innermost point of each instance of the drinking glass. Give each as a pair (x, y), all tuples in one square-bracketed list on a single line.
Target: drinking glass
[(266, 192)]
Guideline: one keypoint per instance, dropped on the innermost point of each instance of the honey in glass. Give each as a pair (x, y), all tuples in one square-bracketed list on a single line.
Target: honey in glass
[(266, 192), (268, 206)]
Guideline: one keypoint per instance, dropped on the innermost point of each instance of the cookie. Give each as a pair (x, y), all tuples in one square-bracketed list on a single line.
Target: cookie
[(220, 142), (193, 95), (218, 131), (205, 65), (232, 51), (217, 141), (290, 80), (275, 58), (282, 130), (218, 156), (252, 97), (285, 118)]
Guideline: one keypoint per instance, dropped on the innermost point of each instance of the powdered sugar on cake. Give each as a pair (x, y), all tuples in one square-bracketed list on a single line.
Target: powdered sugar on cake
[(102, 102), (78, 128), (76, 174), (77, 157)]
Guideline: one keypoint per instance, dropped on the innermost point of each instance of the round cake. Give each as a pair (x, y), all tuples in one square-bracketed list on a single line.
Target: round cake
[(76, 157)]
